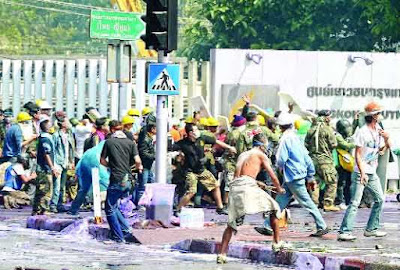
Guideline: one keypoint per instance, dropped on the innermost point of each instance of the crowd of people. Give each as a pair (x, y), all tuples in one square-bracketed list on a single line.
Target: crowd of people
[(260, 162)]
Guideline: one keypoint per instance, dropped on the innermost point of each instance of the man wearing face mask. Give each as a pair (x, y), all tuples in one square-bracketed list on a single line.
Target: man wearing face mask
[(18, 136), (371, 141), (320, 142), (136, 125), (193, 149)]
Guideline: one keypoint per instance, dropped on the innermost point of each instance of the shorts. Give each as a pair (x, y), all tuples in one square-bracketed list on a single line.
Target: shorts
[(206, 178)]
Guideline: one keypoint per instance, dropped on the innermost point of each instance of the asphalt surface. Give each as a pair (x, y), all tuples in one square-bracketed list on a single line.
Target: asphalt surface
[(49, 250)]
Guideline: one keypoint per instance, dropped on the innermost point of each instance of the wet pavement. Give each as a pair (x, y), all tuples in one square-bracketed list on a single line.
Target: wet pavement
[(33, 249), (51, 250)]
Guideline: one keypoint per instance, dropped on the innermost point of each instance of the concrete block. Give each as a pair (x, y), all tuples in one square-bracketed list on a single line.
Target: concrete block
[(202, 246)]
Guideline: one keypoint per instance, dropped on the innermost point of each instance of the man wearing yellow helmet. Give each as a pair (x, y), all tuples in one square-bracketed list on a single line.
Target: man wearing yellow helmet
[(136, 115), (14, 140), (127, 123), (145, 113)]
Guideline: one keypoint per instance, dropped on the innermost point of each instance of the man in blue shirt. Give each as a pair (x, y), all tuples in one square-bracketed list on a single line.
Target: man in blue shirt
[(83, 172), (297, 168), (14, 140), (15, 176)]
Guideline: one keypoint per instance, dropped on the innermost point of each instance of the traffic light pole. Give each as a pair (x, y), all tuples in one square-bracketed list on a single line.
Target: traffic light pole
[(162, 131)]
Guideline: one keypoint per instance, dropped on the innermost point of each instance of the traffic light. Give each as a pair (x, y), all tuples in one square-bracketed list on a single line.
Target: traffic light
[(161, 25)]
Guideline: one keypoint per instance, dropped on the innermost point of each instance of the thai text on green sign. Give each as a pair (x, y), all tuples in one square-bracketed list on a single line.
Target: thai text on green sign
[(116, 25)]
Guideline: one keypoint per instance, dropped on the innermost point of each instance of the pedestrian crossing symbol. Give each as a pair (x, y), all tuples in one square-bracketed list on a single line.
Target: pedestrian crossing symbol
[(163, 79)]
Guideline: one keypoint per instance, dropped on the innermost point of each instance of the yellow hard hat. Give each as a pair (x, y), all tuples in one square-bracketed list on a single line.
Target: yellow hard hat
[(189, 120), (23, 116), (127, 119), (133, 112), (203, 121), (212, 122), (261, 120), (146, 111)]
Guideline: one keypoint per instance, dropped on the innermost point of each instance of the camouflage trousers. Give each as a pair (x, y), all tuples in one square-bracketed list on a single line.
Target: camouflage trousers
[(326, 176), (229, 172), (15, 199), (72, 189), (43, 193)]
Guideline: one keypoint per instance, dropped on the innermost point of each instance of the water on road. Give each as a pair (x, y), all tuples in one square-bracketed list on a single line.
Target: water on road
[(27, 248)]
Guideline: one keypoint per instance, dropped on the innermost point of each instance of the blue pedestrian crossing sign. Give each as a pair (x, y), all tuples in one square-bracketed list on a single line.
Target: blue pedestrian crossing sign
[(163, 79)]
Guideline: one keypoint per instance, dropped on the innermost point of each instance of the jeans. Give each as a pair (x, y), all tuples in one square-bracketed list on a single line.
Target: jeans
[(119, 227), (357, 190), (84, 187), (298, 189), (58, 190), (145, 177)]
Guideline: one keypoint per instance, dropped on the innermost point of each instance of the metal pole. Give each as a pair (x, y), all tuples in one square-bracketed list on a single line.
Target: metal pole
[(162, 131), (121, 86)]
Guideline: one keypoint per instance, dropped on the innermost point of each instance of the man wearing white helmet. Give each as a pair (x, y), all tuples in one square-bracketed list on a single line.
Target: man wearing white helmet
[(297, 169), (45, 108)]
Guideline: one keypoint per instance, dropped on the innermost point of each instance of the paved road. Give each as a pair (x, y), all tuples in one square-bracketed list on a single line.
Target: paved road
[(47, 250), (25, 247)]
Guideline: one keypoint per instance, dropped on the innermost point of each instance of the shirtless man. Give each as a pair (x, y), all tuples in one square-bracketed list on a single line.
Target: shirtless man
[(247, 197)]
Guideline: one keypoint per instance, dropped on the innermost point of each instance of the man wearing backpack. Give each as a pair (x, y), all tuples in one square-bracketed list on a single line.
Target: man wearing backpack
[(345, 146)]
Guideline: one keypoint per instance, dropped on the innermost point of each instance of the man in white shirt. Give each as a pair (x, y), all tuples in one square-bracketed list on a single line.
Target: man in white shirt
[(371, 141)]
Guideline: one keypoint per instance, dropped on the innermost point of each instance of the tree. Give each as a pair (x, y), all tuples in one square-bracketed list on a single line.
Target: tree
[(35, 31), (273, 24)]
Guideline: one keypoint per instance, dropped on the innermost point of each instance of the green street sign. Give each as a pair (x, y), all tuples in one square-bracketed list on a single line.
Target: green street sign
[(116, 25)]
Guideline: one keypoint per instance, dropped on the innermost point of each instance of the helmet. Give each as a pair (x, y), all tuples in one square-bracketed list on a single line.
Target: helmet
[(203, 122), (212, 122), (298, 123), (133, 112), (261, 120), (189, 120), (151, 119), (344, 128), (44, 105), (372, 108), (23, 116), (146, 111), (285, 119), (127, 119)]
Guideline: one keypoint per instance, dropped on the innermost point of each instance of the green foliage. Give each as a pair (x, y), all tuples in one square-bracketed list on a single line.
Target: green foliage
[(290, 24), (32, 31)]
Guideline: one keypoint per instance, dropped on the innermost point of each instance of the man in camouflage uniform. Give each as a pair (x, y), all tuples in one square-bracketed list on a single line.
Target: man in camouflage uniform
[(210, 131), (45, 170), (238, 125), (320, 142)]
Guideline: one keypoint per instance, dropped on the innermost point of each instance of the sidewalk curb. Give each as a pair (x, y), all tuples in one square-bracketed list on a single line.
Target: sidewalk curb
[(262, 253), (59, 224)]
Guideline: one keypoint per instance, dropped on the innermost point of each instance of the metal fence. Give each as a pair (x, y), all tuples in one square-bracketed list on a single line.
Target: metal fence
[(74, 84)]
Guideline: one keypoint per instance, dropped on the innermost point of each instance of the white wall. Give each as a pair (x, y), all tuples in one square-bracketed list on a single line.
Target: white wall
[(297, 71)]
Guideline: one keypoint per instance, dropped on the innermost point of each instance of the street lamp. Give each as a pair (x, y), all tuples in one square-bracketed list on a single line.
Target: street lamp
[(352, 59), (256, 58)]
